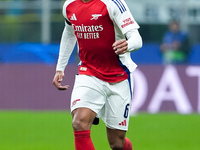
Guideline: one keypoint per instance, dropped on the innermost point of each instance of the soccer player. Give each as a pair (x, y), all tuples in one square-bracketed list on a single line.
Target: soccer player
[(106, 33)]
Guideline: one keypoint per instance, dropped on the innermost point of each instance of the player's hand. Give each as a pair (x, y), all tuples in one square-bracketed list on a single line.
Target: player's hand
[(120, 46), (58, 79)]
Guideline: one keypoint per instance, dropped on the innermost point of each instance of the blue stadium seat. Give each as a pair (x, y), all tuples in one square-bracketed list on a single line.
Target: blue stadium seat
[(48, 53), (194, 57), (148, 54), (30, 53)]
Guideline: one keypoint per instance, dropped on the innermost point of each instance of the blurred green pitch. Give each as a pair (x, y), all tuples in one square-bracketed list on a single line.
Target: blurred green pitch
[(51, 130)]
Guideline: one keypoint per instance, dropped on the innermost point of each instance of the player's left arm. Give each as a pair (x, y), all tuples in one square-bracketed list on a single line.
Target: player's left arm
[(128, 26), (132, 42)]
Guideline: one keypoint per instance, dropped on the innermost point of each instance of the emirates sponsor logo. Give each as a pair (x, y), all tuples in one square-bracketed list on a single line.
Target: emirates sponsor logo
[(83, 28), (87, 32)]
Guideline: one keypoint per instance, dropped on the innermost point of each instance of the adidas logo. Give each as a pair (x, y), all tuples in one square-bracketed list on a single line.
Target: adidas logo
[(73, 17), (123, 123)]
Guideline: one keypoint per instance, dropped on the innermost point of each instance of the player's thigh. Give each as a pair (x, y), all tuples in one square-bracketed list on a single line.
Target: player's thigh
[(87, 94), (82, 118), (117, 107)]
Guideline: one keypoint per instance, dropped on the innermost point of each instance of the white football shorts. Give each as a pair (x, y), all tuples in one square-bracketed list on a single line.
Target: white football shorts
[(110, 101)]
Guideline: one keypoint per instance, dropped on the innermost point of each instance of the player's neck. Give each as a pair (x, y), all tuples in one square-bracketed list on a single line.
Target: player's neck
[(85, 1)]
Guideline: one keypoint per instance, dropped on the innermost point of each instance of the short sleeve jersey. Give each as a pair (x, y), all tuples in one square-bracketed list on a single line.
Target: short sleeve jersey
[(97, 25)]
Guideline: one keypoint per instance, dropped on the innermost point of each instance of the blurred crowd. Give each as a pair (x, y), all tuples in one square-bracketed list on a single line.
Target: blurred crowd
[(175, 45)]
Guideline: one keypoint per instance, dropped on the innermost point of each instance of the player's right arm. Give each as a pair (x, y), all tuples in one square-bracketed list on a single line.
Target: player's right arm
[(67, 44), (68, 41)]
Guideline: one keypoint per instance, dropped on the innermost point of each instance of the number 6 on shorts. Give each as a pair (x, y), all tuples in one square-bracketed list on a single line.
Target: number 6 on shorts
[(126, 111)]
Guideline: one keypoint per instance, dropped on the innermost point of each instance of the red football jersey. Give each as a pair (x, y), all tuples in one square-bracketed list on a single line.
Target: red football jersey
[(97, 25)]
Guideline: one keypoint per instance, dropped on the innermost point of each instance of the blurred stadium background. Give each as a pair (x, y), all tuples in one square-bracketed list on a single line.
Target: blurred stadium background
[(34, 115)]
